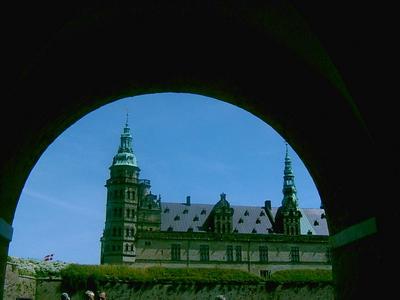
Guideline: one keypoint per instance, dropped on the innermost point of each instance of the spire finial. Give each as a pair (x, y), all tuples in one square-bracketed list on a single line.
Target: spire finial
[(127, 117), (287, 149)]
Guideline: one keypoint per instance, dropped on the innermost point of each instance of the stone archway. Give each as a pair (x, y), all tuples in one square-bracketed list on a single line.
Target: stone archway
[(262, 58)]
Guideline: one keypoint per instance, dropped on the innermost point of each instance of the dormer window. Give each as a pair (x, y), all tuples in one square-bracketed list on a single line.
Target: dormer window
[(170, 228), (323, 216), (203, 212), (185, 211), (254, 230), (190, 229), (177, 218), (246, 213), (166, 210), (196, 218), (258, 221), (262, 213), (240, 221), (316, 223), (235, 230)]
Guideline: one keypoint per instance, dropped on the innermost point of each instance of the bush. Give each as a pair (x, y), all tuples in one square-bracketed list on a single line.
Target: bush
[(302, 276), (37, 268)]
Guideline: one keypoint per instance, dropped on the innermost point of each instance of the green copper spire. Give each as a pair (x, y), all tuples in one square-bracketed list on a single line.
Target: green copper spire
[(125, 155), (289, 188)]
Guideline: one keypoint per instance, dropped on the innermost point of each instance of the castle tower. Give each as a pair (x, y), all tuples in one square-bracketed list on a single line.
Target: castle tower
[(287, 220), (124, 192)]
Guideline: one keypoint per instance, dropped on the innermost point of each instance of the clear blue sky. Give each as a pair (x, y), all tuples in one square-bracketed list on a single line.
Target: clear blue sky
[(185, 144)]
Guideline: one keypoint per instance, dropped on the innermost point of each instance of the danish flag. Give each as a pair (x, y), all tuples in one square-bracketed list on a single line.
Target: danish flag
[(48, 257)]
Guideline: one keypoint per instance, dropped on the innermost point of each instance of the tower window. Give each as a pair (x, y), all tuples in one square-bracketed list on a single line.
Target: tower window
[(119, 231), (114, 232), (128, 213), (126, 247), (120, 212), (131, 247), (132, 232), (127, 232)]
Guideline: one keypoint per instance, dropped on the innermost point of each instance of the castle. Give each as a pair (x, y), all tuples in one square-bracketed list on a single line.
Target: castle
[(143, 231)]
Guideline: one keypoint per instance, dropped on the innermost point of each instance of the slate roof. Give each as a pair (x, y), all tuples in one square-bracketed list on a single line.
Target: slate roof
[(246, 219)]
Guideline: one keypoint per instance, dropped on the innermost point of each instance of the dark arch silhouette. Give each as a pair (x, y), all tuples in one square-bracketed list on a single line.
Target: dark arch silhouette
[(63, 61)]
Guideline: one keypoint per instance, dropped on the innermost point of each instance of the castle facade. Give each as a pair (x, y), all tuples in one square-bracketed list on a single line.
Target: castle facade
[(144, 231)]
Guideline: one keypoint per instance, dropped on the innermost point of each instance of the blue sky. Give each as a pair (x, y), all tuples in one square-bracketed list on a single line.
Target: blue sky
[(185, 144)]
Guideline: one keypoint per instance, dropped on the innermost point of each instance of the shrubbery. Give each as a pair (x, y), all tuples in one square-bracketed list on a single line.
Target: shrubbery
[(302, 276), (37, 268)]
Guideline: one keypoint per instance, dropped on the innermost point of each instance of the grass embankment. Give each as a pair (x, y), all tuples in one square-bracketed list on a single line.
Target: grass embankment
[(76, 277), (79, 277)]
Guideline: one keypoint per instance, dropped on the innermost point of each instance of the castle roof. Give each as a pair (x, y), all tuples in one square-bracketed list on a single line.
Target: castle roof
[(246, 219)]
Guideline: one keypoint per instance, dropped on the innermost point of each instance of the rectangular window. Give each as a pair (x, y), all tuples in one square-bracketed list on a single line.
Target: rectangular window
[(263, 253), (328, 255), (229, 253), (175, 252), (238, 252), (294, 254), (204, 253), (265, 274)]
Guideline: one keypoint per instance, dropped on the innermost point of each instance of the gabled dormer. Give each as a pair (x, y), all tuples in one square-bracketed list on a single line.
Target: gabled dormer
[(220, 217)]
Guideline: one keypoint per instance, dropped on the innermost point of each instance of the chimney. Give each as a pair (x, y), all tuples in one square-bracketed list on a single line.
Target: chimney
[(267, 204), (187, 200), (268, 210)]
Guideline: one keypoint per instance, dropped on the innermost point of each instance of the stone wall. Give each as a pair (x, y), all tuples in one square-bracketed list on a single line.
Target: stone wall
[(18, 286), (27, 287)]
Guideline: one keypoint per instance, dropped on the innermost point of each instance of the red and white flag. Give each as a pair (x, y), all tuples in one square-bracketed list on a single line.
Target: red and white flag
[(48, 257)]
